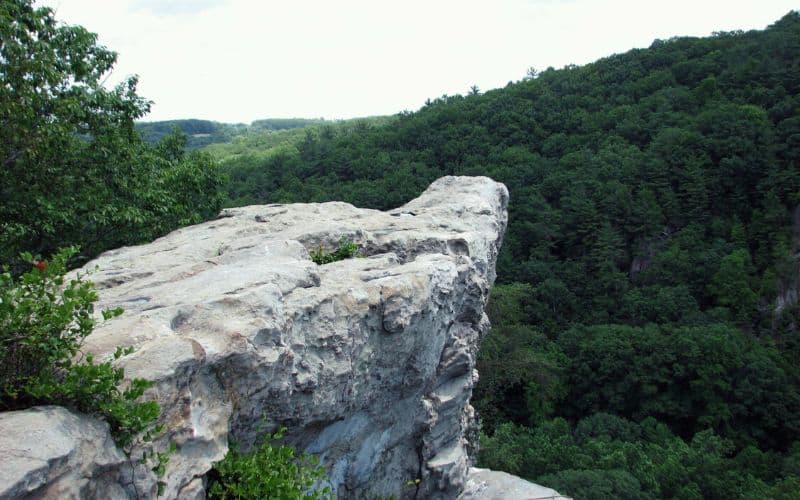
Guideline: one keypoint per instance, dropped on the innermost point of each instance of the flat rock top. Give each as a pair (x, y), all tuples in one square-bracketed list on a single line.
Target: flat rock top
[(264, 250), (485, 484)]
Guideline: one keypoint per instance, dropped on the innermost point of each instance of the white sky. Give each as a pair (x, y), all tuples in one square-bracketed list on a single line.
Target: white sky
[(241, 60)]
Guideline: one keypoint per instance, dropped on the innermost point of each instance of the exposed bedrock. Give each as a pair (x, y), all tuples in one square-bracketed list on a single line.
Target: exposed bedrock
[(369, 362)]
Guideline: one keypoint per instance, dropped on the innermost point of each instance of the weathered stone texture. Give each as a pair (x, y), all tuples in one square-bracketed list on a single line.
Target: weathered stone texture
[(369, 362), (49, 452)]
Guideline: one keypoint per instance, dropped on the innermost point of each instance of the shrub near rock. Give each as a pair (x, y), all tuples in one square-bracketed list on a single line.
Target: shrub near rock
[(43, 323), (268, 471), (347, 249)]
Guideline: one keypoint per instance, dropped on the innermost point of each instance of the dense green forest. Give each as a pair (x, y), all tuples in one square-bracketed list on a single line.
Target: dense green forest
[(645, 317)]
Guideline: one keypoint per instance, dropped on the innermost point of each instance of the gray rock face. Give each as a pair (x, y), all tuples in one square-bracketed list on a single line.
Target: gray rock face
[(368, 362), (48, 452), (485, 484)]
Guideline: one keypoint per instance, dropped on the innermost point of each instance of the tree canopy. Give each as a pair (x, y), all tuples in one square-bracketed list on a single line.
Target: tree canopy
[(74, 170)]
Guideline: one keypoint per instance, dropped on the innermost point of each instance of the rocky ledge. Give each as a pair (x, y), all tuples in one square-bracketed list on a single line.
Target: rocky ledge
[(369, 362)]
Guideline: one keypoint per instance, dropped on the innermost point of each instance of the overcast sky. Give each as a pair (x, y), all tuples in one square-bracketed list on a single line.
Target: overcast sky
[(241, 60)]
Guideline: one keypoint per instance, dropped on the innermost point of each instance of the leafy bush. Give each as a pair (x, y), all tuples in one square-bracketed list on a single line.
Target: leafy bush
[(62, 127), (347, 250), (267, 472), (43, 323)]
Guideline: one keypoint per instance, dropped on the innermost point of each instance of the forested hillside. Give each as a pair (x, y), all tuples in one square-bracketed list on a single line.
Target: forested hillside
[(202, 133), (645, 319), (256, 141), (263, 139)]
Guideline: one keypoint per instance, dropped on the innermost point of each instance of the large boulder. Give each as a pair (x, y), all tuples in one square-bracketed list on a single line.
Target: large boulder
[(368, 362)]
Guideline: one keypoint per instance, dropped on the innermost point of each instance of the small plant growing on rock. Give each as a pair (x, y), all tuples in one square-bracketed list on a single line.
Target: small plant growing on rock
[(268, 471), (347, 250)]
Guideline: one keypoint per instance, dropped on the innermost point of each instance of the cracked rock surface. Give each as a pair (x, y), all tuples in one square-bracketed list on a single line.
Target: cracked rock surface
[(369, 362)]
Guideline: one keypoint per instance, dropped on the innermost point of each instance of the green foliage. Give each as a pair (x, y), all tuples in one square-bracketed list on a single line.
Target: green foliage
[(627, 175), (522, 371), (347, 249), (689, 377), (607, 426), (267, 471), (226, 138), (199, 133), (622, 459), (157, 460), (239, 146), (600, 484), (43, 323), (74, 170), (732, 285)]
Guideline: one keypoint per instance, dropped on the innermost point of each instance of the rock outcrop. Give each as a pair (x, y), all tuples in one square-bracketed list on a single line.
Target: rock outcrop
[(369, 362)]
